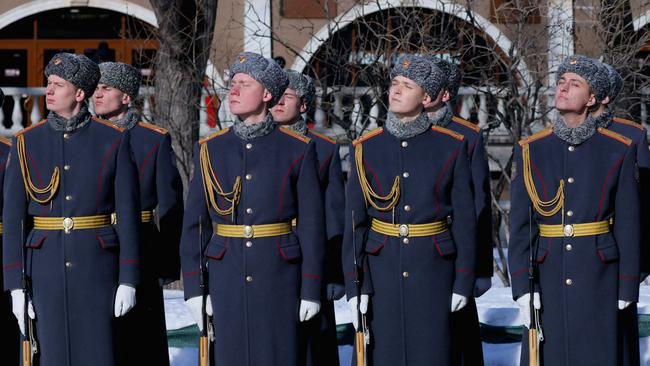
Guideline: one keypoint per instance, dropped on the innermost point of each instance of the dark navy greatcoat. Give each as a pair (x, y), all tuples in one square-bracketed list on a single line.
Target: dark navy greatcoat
[(74, 276), (466, 330), (143, 334), (9, 331), (256, 284), (628, 317), (579, 279), (321, 330), (411, 282)]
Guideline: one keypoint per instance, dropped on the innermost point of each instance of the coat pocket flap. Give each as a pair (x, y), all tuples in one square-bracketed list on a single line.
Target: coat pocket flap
[(445, 245), (107, 238), (375, 242), (35, 239), (608, 252), (291, 251), (216, 249)]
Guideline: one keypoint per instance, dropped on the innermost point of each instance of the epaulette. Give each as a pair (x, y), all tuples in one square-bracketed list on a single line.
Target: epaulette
[(108, 123), (449, 132), (466, 123), (536, 136), (323, 137), (213, 135), (627, 122), (615, 136), (153, 127), (294, 134), (30, 127), (5, 141), (368, 135)]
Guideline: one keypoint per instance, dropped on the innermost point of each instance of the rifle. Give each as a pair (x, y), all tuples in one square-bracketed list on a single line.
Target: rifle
[(29, 344), (362, 335), (535, 334), (207, 333)]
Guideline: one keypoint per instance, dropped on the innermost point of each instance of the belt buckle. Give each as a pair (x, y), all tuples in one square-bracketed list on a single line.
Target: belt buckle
[(403, 230), (68, 224), (248, 231), (568, 230)]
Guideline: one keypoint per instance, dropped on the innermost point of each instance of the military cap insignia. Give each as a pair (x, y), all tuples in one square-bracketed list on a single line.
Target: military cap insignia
[(406, 64), (57, 61), (242, 59), (573, 61)]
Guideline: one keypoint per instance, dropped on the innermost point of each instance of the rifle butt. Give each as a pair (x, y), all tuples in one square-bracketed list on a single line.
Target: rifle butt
[(204, 357), (27, 353), (532, 348), (360, 345)]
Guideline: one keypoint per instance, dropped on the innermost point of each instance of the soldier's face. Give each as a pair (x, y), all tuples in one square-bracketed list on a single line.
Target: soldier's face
[(109, 100), (247, 95), (406, 97), (61, 96), (572, 94), (288, 108)]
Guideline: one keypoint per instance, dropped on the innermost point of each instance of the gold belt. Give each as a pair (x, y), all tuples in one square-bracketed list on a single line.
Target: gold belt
[(253, 231), (72, 223), (146, 216), (586, 229), (1, 229), (427, 229)]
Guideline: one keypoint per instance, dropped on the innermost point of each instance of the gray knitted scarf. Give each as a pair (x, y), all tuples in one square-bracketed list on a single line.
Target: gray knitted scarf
[(405, 130), (67, 125), (299, 126), (130, 119), (442, 117), (249, 132), (574, 136), (605, 119)]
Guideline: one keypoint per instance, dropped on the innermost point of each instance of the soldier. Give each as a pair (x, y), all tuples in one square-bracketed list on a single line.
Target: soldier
[(467, 346), (410, 216), (9, 336), (143, 335), (322, 347), (65, 177), (250, 181), (575, 199)]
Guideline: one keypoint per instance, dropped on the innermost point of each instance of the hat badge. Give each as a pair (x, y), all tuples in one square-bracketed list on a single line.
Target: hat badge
[(406, 64), (57, 61), (242, 59), (573, 61)]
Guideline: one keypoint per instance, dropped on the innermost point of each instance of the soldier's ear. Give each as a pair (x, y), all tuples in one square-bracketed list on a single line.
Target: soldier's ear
[(80, 96), (303, 107), (426, 100), (446, 96), (126, 99), (267, 96), (591, 101)]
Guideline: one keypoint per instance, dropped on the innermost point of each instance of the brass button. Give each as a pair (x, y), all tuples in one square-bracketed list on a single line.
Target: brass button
[(249, 278), (66, 167), (68, 197), (405, 174), (405, 240), (571, 180), (249, 210), (249, 146), (569, 213), (249, 244), (569, 247), (572, 148), (405, 144), (568, 230), (407, 208), (66, 135), (68, 264), (569, 282), (249, 177), (405, 274)]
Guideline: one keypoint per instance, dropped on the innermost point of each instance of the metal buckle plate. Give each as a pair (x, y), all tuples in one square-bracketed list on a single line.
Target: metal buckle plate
[(68, 224)]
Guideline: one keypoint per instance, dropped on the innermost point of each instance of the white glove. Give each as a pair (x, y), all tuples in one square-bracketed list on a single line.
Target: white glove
[(124, 300), (18, 308), (195, 304), (363, 307), (457, 302), (622, 304), (308, 309), (335, 291), (481, 286), (524, 306)]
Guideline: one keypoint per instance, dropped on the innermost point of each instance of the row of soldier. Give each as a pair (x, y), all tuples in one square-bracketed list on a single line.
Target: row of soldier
[(409, 241)]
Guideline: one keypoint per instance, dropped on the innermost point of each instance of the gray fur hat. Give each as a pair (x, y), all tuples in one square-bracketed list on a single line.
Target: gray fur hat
[(121, 76), (425, 73), (590, 70), (77, 69), (615, 82), (266, 71), (302, 84), (451, 71)]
